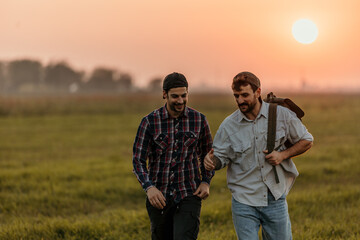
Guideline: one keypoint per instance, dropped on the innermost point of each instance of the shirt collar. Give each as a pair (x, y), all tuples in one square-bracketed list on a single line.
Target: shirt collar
[(165, 114), (264, 111)]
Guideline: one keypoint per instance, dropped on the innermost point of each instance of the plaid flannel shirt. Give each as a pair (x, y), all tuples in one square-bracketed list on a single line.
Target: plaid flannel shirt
[(175, 149)]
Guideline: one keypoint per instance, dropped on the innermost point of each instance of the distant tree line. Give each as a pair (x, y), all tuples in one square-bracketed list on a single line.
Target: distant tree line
[(31, 76)]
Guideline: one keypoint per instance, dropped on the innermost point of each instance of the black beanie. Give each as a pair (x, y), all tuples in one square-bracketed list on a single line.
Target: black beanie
[(174, 80)]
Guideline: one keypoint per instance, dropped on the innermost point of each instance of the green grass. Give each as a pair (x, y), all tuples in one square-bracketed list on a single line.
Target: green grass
[(66, 169)]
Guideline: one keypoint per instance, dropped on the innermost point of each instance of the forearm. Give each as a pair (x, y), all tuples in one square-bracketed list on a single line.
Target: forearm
[(297, 149), (143, 179), (206, 174), (141, 172), (217, 162), (211, 162)]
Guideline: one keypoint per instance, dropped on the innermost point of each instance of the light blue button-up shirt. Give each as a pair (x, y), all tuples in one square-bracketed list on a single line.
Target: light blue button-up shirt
[(239, 143)]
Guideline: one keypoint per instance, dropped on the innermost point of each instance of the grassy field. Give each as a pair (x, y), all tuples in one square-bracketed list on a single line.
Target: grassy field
[(66, 169)]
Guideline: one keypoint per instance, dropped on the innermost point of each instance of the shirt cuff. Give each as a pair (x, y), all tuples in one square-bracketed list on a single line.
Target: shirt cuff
[(147, 185), (207, 179)]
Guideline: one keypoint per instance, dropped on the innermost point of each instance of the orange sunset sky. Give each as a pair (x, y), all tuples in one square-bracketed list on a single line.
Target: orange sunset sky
[(209, 41)]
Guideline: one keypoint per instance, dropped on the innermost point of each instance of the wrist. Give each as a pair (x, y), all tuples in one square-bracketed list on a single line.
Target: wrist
[(283, 155), (147, 189), (203, 182)]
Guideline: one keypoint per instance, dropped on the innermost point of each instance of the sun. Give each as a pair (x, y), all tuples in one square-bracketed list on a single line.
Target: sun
[(304, 31)]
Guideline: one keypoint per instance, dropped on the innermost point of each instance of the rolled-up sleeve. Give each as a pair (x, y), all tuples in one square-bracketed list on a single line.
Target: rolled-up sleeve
[(297, 130), (222, 147)]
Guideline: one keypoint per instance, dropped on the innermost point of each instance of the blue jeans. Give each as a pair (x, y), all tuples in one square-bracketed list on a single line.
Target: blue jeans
[(274, 219)]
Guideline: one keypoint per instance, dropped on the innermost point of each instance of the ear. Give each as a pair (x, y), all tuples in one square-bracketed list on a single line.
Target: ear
[(258, 92), (164, 94)]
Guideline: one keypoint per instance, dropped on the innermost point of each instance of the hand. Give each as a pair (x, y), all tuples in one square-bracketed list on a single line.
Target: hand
[(274, 158), (203, 190), (156, 198), (208, 162)]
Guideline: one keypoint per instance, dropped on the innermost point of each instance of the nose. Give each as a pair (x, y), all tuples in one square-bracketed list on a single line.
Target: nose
[(180, 100), (239, 100)]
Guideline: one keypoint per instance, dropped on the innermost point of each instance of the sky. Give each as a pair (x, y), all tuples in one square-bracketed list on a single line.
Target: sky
[(208, 41)]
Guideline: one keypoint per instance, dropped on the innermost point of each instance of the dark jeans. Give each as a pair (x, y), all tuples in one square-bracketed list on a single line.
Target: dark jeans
[(179, 221)]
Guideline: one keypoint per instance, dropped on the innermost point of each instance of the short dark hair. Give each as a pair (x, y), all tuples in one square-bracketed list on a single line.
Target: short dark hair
[(238, 84), (244, 79)]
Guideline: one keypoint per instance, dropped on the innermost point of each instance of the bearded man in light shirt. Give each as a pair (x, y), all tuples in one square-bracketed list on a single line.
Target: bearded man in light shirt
[(240, 144)]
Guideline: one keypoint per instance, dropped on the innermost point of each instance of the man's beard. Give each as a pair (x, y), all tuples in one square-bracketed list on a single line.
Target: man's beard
[(173, 107), (249, 108)]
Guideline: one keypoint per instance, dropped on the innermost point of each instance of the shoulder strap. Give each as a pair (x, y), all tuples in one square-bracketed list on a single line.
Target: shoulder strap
[(272, 133), (271, 127)]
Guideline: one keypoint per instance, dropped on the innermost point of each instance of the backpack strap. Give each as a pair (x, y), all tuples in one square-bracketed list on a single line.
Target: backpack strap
[(272, 133)]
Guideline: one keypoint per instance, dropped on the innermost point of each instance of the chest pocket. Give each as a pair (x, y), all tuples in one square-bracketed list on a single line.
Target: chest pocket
[(241, 151), (279, 139), (161, 142), (190, 139)]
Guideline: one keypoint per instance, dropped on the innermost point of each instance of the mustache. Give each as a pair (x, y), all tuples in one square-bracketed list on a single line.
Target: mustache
[(243, 104)]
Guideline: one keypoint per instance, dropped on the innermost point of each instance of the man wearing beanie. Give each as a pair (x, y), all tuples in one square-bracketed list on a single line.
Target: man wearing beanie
[(240, 143), (168, 159)]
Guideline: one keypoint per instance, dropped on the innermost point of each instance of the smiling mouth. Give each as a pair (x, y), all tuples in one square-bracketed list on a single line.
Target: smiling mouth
[(179, 107)]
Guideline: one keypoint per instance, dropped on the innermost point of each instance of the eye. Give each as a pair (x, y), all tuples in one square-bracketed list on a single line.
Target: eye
[(236, 95), (183, 96)]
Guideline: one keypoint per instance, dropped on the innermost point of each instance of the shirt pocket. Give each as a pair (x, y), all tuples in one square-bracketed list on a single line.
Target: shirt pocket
[(161, 142), (242, 156), (190, 139), (280, 139)]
